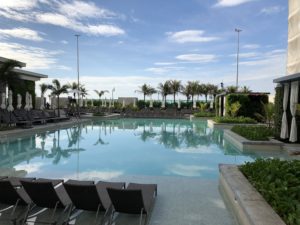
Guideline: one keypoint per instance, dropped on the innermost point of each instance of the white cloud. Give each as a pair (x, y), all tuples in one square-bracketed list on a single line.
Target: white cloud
[(35, 58), (22, 33), (230, 3), (190, 36), (188, 170), (247, 55), (164, 63), (64, 42), (31, 167), (272, 10), (251, 46), (80, 9), (161, 70), (197, 58), (68, 14), (95, 175)]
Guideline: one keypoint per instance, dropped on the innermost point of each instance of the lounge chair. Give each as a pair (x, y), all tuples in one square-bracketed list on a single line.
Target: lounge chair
[(47, 194), (14, 202), (86, 195), (135, 199)]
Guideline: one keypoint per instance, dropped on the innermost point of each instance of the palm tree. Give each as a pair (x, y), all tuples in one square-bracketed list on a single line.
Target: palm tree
[(151, 91), (144, 89), (73, 86), (186, 90), (175, 87), (245, 89), (57, 90), (164, 89), (44, 87), (232, 89), (214, 90), (7, 75), (205, 90), (100, 94), (194, 88), (83, 91)]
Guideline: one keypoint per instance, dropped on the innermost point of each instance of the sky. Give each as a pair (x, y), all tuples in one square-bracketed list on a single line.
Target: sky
[(124, 44)]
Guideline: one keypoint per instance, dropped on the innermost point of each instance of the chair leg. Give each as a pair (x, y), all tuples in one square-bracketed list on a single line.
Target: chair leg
[(141, 216)]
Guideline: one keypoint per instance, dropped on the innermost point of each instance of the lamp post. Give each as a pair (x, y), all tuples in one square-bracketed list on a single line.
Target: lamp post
[(237, 57), (77, 37)]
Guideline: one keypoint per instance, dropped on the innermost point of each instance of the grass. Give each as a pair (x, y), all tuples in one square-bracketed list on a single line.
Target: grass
[(254, 133), (205, 114), (279, 183), (239, 119)]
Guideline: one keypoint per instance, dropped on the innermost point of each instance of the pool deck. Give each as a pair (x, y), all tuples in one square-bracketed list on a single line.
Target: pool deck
[(180, 201)]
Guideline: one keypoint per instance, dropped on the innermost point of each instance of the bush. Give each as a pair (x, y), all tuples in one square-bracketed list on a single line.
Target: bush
[(98, 114), (279, 183), (239, 119), (250, 104), (255, 133), (278, 110), (205, 114)]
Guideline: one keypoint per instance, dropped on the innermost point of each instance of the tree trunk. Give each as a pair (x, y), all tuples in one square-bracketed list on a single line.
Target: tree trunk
[(144, 97), (205, 98), (174, 97)]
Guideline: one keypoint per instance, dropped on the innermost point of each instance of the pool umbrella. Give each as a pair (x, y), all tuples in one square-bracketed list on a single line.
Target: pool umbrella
[(92, 103), (80, 102), (30, 101), (10, 107), (134, 103), (27, 107), (211, 105), (163, 105), (178, 104), (42, 107), (151, 103), (123, 104), (104, 103), (110, 105), (53, 105), (3, 103), (19, 101), (194, 104)]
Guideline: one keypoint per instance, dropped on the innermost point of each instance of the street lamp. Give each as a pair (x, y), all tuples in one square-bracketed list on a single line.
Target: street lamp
[(237, 57), (77, 37)]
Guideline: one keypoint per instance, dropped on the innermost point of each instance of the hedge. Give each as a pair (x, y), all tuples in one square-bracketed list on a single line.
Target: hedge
[(278, 110), (250, 104)]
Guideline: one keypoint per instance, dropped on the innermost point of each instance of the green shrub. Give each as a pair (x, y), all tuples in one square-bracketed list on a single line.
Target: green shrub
[(255, 133), (98, 114), (239, 119), (205, 114), (234, 109), (278, 110), (279, 183)]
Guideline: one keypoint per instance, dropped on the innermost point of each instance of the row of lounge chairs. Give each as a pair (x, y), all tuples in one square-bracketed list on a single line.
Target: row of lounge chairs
[(24, 118), (50, 201)]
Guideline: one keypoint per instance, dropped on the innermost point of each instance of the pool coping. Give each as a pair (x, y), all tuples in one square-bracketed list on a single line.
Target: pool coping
[(213, 124), (247, 145), (19, 132), (246, 203)]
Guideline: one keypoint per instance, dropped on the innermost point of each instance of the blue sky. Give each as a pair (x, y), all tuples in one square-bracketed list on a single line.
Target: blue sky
[(124, 44)]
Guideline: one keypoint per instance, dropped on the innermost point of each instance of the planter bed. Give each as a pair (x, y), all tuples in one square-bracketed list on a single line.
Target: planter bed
[(248, 206)]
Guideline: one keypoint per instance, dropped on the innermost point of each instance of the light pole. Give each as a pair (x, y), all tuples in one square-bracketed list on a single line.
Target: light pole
[(77, 37), (237, 57)]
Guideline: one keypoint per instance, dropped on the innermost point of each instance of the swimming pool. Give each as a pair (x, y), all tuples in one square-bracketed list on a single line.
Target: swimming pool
[(112, 148)]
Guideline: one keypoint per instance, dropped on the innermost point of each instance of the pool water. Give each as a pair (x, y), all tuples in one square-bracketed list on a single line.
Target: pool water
[(112, 148)]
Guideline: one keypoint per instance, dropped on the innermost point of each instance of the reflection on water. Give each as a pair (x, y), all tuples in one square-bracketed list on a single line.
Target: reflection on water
[(108, 149)]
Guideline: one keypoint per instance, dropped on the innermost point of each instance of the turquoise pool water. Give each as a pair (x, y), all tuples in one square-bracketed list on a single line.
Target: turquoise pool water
[(113, 148)]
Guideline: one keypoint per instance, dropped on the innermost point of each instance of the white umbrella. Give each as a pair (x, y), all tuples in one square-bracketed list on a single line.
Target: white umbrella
[(211, 105), (110, 105), (42, 107), (27, 107), (3, 103), (123, 104), (19, 101), (92, 102), (80, 102), (30, 101), (53, 105), (163, 105), (178, 104), (85, 102), (194, 104), (134, 103), (151, 103), (10, 107), (104, 103), (113, 103)]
